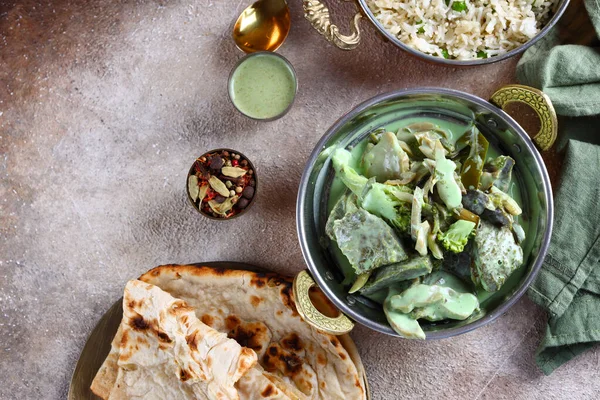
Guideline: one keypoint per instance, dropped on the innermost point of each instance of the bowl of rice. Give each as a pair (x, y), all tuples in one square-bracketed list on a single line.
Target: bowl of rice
[(455, 32)]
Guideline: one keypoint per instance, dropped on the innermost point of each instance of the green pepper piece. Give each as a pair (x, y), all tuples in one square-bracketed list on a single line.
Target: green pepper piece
[(473, 165), (482, 54), (360, 281), (459, 6), (445, 53), (405, 270), (421, 30)]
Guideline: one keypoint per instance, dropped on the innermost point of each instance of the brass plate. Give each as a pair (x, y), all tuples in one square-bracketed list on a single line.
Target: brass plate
[(97, 346)]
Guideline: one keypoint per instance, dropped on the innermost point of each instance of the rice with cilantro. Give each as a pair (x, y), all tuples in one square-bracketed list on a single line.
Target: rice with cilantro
[(463, 30)]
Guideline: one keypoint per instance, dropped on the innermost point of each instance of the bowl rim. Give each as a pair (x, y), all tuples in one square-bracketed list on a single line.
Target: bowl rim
[(453, 62), (301, 216)]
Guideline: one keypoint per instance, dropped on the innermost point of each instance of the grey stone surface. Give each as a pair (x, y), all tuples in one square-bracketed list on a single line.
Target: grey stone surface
[(103, 107)]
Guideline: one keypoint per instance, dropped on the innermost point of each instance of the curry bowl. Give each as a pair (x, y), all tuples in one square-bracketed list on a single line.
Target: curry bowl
[(317, 13), (446, 106)]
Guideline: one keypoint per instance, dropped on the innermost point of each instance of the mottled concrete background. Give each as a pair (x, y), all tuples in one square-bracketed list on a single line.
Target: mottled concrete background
[(103, 107)]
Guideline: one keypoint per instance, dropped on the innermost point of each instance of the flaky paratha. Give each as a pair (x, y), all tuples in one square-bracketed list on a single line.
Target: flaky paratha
[(295, 360), (256, 384), (165, 352), (259, 312), (105, 378)]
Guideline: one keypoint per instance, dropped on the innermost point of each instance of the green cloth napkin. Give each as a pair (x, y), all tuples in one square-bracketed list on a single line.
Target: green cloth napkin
[(568, 285)]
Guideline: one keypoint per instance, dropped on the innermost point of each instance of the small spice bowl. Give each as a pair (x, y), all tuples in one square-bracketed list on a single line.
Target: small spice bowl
[(263, 86), (221, 184)]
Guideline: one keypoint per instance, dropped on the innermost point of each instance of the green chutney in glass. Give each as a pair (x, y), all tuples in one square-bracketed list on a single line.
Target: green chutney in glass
[(263, 86)]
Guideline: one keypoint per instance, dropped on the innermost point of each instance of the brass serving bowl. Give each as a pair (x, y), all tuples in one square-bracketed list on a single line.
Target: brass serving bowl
[(503, 132), (318, 15)]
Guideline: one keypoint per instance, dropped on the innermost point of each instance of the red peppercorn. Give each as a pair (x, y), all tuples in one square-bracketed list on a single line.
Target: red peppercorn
[(234, 163)]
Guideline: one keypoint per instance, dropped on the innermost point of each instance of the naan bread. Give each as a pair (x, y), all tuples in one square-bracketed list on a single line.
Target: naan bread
[(162, 351), (258, 311), (105, 379), (295, 361)]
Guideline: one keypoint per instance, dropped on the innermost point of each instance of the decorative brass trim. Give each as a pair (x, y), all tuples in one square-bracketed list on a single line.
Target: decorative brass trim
[(318, 16), (334, 326), (540, 103)]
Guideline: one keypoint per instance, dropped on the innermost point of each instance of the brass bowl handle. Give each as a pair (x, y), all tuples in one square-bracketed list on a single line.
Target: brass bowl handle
[(334, 326), (318, 16), (540, 103)]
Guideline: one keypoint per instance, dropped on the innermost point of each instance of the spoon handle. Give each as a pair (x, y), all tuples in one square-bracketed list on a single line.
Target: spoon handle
[(318, 16)]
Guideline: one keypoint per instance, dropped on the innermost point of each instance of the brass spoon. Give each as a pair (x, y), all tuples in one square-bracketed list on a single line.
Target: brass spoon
[(263, 26)]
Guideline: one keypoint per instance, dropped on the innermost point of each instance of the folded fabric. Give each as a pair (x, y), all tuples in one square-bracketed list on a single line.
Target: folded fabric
[(569, 74), (568, 285)]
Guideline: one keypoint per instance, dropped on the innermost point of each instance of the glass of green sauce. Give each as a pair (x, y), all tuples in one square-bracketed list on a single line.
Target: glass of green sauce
[(263, 86)]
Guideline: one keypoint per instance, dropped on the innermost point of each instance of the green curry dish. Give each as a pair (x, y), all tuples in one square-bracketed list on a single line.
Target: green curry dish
[(504, 201), (519, 233), (496, 217), (346, 203), (429, 302), (415, 214), (447, 186), (385, 201), (435, 303), (386, 160), (424, 223), (459, 264), (360, 281), (472, 166), (498, 173), (408, 137), (496, 255), (401, 221), (380, 295), (403, 324), (442, 277), (386, 276), (419, 139), (354, 181), (367, 241), (432, 142), (457, 236), (475, 201)]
